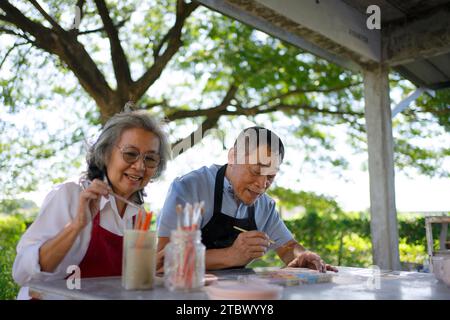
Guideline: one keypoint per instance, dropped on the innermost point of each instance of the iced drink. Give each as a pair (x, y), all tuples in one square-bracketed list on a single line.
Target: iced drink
[(139, 259)]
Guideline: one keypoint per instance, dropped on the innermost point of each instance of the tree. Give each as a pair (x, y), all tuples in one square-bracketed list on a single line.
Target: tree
[(122, 48)]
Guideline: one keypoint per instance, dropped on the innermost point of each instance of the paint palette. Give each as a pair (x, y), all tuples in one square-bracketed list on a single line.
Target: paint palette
[(209, 279), (244, 290), (294, 276)]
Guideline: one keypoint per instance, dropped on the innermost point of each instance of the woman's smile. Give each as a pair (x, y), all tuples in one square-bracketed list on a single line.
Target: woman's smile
[(132, 177)]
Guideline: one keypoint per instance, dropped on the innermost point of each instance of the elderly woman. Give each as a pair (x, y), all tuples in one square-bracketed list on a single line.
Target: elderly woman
[(83, 225)]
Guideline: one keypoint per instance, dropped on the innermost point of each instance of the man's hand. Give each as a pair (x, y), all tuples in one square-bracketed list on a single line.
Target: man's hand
[(248, 246), (311, 260)]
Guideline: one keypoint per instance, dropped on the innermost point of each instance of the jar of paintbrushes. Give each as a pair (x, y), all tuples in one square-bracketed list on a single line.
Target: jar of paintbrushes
[(184, 261)]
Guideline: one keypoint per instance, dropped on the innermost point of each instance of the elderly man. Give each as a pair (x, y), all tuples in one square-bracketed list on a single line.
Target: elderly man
[(234, 196)]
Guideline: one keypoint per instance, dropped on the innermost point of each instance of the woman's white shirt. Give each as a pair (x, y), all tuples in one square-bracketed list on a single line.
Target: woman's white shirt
[(58, 209)]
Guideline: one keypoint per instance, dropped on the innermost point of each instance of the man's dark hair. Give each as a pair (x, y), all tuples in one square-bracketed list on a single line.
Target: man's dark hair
[(268, 138)]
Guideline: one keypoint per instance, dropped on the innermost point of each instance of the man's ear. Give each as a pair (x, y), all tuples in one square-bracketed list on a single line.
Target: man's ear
[(231, 156)]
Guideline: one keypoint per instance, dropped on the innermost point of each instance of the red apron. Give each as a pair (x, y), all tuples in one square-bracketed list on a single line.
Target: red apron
[(104, 254)]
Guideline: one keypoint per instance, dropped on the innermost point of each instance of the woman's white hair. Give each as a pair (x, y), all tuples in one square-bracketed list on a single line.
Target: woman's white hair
[(100, 151)]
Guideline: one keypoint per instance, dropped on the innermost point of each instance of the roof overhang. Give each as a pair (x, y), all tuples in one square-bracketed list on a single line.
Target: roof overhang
[(413, 40)]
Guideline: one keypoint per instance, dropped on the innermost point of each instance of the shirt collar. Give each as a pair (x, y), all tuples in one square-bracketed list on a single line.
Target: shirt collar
[(111, 201), (227, 186), (103, 202)]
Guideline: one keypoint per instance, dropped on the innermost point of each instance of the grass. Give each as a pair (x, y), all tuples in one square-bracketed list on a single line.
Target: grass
[(11, 229)]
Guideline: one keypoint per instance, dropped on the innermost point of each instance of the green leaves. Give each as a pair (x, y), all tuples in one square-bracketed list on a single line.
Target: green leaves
[(427, 160), (290, 199), (276, 82), (342, 238), (438, 107)]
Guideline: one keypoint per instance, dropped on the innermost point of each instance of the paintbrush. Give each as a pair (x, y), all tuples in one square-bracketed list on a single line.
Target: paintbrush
[(243, 230), (139, 207)]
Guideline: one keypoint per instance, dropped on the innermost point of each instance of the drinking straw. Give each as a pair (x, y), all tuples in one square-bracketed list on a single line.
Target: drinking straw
[(144, 227), (179, 210), (191, 218), (201, 212), (243, 230), (147, 222), (188, 265), (187, 210), (137, 225), (194, 211), (180, 226), (198, 212)]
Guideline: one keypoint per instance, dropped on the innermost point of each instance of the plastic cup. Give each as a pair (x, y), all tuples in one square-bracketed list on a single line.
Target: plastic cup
[(138, 259)]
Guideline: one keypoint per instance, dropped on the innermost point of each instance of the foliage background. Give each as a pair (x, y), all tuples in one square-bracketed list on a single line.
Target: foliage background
[(47, 115), (343, 238), (15, 216)]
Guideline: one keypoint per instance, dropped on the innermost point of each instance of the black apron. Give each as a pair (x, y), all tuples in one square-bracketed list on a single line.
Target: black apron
[(219, 232)]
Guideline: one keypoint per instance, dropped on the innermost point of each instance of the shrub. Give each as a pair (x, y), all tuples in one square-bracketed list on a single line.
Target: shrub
[(11, 229), (344, 239)]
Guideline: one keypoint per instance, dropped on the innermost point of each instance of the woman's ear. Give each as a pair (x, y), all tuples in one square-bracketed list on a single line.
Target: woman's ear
[(231, 156)]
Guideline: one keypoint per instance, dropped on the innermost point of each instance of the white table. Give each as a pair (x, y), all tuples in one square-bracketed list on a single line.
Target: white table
[(348, 284)]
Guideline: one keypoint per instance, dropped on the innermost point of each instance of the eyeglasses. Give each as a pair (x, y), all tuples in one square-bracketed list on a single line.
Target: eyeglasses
[(131, 155)]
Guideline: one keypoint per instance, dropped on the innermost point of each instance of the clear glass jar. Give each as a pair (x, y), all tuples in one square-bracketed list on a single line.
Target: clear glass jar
[(184, 261)]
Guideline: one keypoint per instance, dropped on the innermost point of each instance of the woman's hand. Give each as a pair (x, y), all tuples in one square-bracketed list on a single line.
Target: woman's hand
[(88, 204), (53, 251)]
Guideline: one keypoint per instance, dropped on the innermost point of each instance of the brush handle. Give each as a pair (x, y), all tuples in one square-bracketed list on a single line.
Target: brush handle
[(243, 230), (86, 183)]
